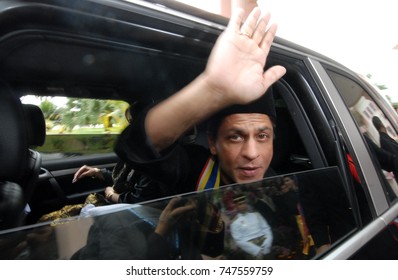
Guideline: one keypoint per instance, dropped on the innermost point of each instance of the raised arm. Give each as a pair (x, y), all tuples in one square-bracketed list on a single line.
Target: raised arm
[(234, 75)]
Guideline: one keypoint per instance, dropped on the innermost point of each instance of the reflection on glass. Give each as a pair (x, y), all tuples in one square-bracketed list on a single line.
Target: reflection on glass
[(285, 217), (375, 129), (374, 126), (250, 230)]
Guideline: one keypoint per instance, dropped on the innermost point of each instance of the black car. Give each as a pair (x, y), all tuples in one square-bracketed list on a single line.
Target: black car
[(70, 68)]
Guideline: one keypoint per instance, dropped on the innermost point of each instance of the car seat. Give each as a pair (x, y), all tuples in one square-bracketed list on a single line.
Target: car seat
[(36, 135), (13, 158)]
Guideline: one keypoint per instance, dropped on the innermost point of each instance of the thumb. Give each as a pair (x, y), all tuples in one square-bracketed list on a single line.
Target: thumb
[(272, 75)]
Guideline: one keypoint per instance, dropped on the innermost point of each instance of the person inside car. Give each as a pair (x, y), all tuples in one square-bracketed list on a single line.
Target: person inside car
[(386, 141), (125, 185), (235, 92)]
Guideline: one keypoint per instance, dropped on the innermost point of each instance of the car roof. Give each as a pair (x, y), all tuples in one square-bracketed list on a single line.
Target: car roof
[(124, 50)]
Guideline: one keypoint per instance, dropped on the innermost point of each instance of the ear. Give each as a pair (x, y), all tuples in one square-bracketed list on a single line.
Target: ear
[(212, 145)]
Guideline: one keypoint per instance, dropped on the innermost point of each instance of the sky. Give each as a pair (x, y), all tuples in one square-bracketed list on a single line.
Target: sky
[(360, 34)]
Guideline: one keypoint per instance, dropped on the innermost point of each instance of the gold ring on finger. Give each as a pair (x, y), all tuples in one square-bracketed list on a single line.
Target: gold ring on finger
[(245, 34)]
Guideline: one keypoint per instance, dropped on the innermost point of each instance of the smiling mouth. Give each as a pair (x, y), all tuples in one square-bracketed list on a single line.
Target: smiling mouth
[(249, 171)]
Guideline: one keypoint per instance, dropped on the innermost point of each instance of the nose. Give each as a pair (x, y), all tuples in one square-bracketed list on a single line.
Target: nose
[(250, 149)]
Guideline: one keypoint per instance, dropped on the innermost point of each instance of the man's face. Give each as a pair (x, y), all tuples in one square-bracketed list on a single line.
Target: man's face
[(244, 147), (288, 185)]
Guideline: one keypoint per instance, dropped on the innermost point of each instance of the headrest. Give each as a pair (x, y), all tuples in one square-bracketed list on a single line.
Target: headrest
[(36, 125), (13, 139)]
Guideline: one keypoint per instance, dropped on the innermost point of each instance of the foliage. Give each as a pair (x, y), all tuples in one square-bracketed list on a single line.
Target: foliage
[(91, 113), (71, 144)]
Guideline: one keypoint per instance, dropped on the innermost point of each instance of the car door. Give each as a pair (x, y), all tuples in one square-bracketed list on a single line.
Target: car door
[(331, 138), (355, 103)]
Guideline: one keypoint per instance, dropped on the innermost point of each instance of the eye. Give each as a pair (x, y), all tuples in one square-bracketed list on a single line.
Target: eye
[(263, 136), (235, 137)]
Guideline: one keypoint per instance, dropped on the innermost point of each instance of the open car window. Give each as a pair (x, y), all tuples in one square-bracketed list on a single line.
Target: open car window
[(282, 217)]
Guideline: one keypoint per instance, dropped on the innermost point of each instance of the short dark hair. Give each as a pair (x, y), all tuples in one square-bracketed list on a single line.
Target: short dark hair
[(377, 122)]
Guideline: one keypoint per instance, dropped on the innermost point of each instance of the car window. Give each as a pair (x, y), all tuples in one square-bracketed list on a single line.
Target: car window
[(283, 217), (303, 210), (79, 126), (377, 130), (303, 141)]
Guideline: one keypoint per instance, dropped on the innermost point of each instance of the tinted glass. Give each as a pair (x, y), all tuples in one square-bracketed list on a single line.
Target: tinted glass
[(375, 127), (284, 217)]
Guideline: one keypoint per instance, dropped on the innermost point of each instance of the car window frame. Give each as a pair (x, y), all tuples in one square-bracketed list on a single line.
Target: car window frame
[(360, 153), (312, 115)]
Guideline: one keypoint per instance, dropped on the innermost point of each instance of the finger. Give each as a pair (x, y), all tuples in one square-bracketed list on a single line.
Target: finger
[(172, 203), (80, 171), (261, 28), (272, 75), (88, 173), (81, 175), (178, 212), (269, 36), (235, 21), (76, 177), (250, 24)]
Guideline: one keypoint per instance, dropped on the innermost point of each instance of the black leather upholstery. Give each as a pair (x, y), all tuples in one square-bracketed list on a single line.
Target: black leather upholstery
[(22, 129), (36, 134), (36, 125), (13, 137), (11, 205), (13, 158)]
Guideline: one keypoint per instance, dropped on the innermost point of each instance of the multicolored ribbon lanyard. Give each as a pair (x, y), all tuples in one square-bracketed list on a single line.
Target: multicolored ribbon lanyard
[(210, 176)]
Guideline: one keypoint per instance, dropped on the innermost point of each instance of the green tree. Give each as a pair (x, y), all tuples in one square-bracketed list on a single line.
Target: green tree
[(51, 113), (86, 112), (47, 107)]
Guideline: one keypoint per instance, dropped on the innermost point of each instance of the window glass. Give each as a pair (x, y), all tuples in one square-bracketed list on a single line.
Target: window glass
[(287, 217), (375, 127), (77, 126)]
